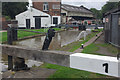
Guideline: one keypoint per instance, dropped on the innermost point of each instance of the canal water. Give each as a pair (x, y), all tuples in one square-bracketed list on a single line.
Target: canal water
[(61, 39)]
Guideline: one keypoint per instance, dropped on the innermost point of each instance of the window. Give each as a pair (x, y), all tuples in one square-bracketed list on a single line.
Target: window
[(55, 20), (55, 6), (45, 6)]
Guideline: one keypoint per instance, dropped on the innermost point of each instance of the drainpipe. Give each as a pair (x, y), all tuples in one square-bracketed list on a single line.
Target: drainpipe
[(50, 15), (51, 19)]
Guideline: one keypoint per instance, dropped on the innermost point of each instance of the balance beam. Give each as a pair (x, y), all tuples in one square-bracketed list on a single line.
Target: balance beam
[(54, 57), (94, 63)]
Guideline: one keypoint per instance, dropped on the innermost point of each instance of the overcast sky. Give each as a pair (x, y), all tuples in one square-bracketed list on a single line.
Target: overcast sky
[(87, 3)]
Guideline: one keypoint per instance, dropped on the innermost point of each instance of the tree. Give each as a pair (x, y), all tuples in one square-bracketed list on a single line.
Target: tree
[(97, 13), (11, 9), (109, 6)]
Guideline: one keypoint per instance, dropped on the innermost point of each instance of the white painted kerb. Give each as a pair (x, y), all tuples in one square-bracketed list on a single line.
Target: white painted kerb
[(94, 63)]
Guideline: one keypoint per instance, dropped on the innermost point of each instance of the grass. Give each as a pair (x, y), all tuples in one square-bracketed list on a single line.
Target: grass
[(66, 72), (22, 34), (109, 47), (91, 49)]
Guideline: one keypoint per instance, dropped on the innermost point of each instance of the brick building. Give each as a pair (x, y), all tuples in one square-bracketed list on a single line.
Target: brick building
[(52, 8)]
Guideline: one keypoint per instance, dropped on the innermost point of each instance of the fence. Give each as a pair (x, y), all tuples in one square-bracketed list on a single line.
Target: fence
[(77, 25)]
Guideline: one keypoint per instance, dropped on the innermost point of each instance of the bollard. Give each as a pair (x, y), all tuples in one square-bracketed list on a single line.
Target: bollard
[(48, 39), (9, 41), (82, 46)]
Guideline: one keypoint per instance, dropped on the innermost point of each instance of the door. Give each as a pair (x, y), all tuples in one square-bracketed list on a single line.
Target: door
[(37, 23), (55, 20), (28, 23)]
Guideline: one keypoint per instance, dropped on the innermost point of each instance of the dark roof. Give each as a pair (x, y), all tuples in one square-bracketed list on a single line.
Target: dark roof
[(113, 11), (72, 8)]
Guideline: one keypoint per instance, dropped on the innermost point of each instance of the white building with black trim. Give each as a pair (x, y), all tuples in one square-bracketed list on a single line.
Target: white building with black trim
[(33, 18), (40, 15)]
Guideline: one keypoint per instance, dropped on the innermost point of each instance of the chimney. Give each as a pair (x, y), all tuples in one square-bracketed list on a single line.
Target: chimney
[(30, 4)]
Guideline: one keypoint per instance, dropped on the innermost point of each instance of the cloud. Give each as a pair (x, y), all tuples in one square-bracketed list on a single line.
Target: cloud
[(84, 0), (87, 3)]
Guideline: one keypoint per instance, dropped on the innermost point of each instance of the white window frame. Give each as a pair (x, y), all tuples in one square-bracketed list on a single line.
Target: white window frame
[(56, 6), (45, 7)]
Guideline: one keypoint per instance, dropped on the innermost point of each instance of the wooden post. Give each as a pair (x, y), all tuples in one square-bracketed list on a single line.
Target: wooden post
[(14, 33), (9, 36), (9, 40), (10, 62)]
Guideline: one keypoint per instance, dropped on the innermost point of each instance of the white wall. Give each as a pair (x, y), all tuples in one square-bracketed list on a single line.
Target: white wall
[(29, 15), (45, 22)]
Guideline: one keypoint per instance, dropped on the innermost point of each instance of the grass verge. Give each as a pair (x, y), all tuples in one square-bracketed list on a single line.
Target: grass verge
[(110, 48), (91, 49), (66, 72), (22, 34), (94, 49)]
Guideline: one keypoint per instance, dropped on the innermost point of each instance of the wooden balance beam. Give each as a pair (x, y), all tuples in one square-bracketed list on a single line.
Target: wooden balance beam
[(93, 63)]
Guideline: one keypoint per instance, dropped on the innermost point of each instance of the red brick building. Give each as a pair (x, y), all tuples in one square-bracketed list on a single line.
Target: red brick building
[(52, 8)]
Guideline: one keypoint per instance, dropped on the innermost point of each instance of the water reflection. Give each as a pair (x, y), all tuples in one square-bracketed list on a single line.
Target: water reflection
[(60, 39)]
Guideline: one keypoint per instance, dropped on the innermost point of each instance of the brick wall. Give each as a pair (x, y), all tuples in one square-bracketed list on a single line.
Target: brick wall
[(51, 11)]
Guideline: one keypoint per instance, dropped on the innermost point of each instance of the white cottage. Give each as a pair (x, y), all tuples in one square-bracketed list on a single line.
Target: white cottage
[(39, 15), (33, 18)]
